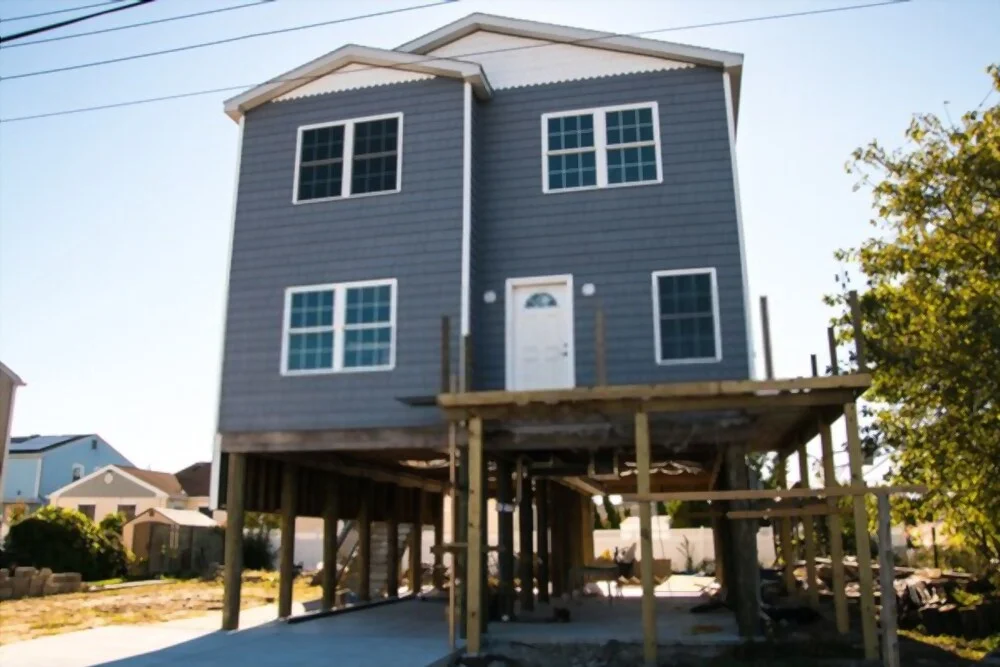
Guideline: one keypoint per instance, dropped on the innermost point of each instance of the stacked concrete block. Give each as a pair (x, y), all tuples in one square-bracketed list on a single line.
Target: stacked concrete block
[(31, 582), (64, 582), (6, 587)]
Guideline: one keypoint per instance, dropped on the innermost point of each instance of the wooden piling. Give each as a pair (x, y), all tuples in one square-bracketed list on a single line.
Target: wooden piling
[(785, 529), (831, 341), (765, 327), (526, 561), (392, 543), (861, 534), (475, 545), (744, 573), (286, 562), (808, 535), (542, 508), (836, 530), (642, 461), (887, 577), (365, 542), (416, 544), (438, 576), (505, 536), (233, 568), (859, 334)]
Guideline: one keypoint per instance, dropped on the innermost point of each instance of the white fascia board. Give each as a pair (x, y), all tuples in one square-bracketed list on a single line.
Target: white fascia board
[(236, 106)]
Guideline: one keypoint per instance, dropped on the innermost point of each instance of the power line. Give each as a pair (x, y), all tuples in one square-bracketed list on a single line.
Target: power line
[(138, 25), (78, 19), (210, 91), (218, 42), (58, 11)]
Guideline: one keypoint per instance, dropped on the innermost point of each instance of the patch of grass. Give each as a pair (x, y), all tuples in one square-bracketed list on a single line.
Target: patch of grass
[(970, 649), (106, 582)]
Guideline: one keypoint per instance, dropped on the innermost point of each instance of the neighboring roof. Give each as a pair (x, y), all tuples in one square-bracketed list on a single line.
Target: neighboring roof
[(164, 481), (235, 107), (41, 443), (181, 517), (726, 60), (196, 479), (161, 483), (5, 370)]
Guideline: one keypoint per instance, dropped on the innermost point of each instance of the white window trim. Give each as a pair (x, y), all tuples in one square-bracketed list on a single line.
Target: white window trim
[(345, 176), (715, 317), (338, 328), (74, 467), (600, 146)]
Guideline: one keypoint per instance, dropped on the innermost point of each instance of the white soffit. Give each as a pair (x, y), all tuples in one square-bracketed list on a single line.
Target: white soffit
[(351, 77), (512, 61)]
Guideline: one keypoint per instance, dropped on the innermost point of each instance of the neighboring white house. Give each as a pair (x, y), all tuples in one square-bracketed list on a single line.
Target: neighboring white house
[(9, 382)]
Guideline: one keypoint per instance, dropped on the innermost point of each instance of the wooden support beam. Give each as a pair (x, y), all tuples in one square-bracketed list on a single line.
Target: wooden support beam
[(583, 486), (836, 531), (808, 535), (462, 518), (475, 556), (235, 504), (719, 547), (392, 544), (365, 542), (784, 529), (286, 555), (505, 536), (453, 499), (765, 327), (642, 460), (542, 508), (416, 545), (526, 561), (744, 573), (438, 577), (868, 632), (774, 494), (331, 514), (887, 577), (600, 358)]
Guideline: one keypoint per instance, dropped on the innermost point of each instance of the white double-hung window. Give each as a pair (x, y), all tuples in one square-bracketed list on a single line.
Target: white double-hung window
[(601, 148), (339, 327)]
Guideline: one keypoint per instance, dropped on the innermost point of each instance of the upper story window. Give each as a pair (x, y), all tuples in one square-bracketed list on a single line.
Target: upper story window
[(686, 316), (341, 327), (348, 158), (77, 471), (601, 148)]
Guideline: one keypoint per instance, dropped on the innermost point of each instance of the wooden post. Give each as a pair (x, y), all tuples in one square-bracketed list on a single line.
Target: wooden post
[(600, 358), (331, 513), (526, 562), (831, 341), (836, 530), (765, 327), (808, 535), (474, 560), (859, 334), (453, 483), (587, 524), (462, 518), (542, 508), (286, 564), (744, 573), (861, 534), (785, 529), (719, 548), (235, 504), (417, 545), (365, 542), (642, 460), (814, 364), (392, 543), (887, 577), (559, 567), (438, 577), (505, 536)]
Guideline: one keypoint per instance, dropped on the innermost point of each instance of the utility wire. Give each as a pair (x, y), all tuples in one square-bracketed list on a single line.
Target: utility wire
[(218, 42), (138, 25), (78, 19), (58, 11), (210, 91)]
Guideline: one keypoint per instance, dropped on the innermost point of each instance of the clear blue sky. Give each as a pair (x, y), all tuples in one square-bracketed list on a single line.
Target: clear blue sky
[(114, 225)]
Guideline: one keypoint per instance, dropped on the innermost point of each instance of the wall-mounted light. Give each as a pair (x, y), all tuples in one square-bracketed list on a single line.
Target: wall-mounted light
[(588, 289), (489, 296)]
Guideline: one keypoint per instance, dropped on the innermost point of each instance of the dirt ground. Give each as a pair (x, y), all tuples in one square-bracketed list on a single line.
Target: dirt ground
[(29, 618)]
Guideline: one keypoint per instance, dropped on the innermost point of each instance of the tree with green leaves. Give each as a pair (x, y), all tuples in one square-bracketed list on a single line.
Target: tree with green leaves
[(931, 315)]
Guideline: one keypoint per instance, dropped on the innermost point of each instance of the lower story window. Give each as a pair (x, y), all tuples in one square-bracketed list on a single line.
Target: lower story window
[(686, 316), (339, 327), (88, 510)]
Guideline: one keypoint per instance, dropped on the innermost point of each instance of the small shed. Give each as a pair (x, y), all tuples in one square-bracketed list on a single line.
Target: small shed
[(168, 541)]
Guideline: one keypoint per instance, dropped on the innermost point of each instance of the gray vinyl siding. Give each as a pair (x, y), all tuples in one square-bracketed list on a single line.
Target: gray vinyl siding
[(613, 238), (413, 236)]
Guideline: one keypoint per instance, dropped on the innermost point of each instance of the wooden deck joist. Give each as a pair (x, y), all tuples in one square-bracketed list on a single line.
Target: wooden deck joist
[(774, 494)]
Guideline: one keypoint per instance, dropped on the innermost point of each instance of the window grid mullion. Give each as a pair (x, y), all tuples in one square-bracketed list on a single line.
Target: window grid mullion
[(600, 144), (346, 172), (339, 307)]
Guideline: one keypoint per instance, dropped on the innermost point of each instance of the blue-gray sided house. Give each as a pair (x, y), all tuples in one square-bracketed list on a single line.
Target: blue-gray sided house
[(37, 465), (523, 180)]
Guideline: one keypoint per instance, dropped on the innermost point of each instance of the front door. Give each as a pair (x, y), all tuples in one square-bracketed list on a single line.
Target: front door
[(540, 333)]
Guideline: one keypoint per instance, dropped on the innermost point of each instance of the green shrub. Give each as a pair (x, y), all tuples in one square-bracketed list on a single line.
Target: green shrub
[(66, 541), (113, 523), (257, 552)]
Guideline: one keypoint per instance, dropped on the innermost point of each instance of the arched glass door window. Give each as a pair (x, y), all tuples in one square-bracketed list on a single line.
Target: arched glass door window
[(541, 300)]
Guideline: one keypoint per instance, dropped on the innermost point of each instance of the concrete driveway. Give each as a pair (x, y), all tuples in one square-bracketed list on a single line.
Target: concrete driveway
[(409, 633)]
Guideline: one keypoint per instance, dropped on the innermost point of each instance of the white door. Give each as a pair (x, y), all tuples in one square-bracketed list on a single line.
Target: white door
[(540, 333)]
